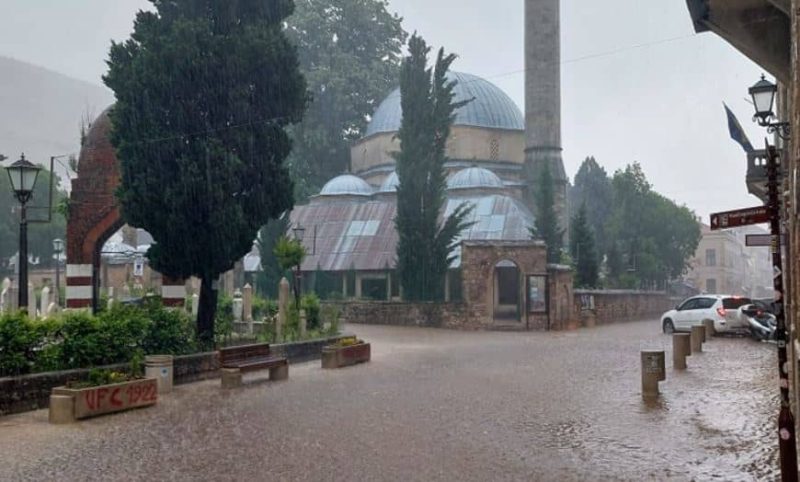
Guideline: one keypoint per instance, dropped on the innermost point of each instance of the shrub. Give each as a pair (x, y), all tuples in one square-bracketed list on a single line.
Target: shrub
[(264, 308), (18, 338), (170, 332), (310, 303)]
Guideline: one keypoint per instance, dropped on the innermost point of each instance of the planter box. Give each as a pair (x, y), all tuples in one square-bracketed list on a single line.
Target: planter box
[(89, 402), (342, 356)]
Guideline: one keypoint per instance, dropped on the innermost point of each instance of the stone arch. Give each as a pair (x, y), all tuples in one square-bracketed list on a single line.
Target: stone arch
[(94, 216)]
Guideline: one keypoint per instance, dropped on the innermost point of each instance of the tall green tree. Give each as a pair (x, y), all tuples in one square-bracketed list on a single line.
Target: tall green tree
[(547, 228), (593, 188), (424, 250), (271, 271), (350, 53), (205, 90), (583, 251)]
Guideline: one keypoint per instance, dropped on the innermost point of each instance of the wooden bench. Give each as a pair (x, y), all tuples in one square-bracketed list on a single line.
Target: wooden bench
[(235, 361)]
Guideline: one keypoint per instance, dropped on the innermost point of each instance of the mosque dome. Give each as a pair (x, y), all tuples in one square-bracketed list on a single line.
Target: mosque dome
[(346, 185), (490, 107), (391, 183), (474, 178)]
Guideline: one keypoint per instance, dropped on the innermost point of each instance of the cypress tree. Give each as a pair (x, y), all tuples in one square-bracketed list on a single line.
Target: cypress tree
[(204, 92), (547, 228), (424, 251), (583, 250)]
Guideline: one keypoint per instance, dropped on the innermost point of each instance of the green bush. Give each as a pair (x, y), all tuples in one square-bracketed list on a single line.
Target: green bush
[(310, 303), (264, 308), (18, 339), (170, 332)]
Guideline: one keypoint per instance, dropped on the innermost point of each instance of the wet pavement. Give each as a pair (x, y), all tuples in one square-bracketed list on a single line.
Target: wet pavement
[(440, 405)]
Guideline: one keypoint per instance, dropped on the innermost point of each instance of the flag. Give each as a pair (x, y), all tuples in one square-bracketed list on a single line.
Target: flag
[(737, 133)]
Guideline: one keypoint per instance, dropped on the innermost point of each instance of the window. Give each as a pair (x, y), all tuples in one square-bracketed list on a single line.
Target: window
[(711, 286), (705, 303), (711, 258), (688, 305), (537, 294)]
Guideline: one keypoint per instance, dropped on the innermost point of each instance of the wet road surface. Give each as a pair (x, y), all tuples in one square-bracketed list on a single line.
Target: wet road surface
[(440, 405)]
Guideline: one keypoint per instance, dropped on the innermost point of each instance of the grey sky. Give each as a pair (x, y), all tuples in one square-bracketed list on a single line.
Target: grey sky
[(637, 83)]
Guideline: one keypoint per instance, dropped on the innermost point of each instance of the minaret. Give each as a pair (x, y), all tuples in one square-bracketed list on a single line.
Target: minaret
[(543, 101)]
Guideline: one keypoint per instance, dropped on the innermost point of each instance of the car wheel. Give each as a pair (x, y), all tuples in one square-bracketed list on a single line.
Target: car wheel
[(669, 328)]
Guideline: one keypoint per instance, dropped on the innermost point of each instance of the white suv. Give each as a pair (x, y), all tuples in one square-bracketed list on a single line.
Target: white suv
[(724, 310)]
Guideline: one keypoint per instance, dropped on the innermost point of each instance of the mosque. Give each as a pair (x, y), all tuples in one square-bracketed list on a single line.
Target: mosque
[(349, 226)]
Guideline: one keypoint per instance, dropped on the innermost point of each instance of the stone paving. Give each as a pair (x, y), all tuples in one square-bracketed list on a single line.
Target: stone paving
[(439, 405)]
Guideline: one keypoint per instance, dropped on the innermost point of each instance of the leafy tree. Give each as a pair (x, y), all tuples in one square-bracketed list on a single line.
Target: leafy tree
[(271, 272), (350, 53), (547, 228), (593, 189), (289, 253), (424, 250), (204, 92), (582, 250), (40, 235)]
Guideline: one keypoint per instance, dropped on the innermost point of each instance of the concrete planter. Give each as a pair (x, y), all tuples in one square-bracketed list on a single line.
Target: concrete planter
[(341, 356), (93, 401)]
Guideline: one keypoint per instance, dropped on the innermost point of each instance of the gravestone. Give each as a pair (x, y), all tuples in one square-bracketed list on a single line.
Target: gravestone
[(45, 302), (247, 307), (237, 306), (52, 309), (195, 304), (31, 300), (283, 305), (303, 323)]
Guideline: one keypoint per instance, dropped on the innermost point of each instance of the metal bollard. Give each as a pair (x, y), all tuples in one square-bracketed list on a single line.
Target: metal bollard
[(653, 371), (710, 330), (681, 348), (697, 338)]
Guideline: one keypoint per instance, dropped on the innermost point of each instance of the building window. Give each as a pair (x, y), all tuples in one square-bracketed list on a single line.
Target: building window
[(711, 257), (711, 286), (494, 150)]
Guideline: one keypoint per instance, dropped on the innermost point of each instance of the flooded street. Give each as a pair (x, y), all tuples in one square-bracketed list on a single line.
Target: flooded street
[(440, 405)]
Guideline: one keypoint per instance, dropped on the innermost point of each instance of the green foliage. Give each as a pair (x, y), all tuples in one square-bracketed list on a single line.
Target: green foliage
[(330, 315), (424, 249), (289, 253), (264, 308), (349, 52), (81, 340), (547, 228), (582, 251), (593, 188), (272, 272), (205, 90), (310, 303)]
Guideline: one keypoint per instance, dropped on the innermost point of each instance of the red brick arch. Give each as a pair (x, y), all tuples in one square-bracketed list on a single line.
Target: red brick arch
[(94, 216)]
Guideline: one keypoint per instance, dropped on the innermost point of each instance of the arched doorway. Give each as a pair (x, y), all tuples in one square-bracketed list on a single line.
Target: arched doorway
[(507, 292)]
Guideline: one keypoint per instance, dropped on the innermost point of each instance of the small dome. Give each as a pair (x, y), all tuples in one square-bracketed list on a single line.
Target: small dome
[(391, 183), (490, 107), (346, 184), (474, 178)]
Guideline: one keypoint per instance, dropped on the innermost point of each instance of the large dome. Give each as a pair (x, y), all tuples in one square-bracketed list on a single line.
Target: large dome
[(346, 185), (491, 107)]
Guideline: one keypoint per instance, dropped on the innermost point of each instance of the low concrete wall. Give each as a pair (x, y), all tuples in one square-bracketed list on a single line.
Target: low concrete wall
[(600, 307), (32, 392), (439, 315)]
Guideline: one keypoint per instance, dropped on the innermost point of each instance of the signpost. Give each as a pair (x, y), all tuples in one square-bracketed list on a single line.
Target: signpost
[(740, 217), (761, 240)]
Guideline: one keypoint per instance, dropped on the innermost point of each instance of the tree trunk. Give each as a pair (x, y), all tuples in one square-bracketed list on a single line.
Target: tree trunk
[(206, 312)]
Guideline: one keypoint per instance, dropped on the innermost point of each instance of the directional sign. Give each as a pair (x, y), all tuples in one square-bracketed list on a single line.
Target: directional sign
[(755, 240), (740, 217)]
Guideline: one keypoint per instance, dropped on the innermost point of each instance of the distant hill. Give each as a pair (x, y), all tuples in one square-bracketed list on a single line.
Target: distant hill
[(41, 111)]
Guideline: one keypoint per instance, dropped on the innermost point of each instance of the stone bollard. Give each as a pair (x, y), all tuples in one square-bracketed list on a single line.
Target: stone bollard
[(283, 306), (697, 338), (681, 348), (45, 301), (62, 409), (653, 371), (303, 323), (710, 330)]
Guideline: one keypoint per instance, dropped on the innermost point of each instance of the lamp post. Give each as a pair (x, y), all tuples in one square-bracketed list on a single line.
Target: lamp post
[(763, 93), (22, 175), (299, 232), (58, 248)]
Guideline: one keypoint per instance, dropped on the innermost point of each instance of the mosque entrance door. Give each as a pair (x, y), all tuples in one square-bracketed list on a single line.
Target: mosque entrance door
[(507, 292)]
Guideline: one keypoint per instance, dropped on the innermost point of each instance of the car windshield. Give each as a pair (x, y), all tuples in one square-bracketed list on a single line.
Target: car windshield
[(734, 303)]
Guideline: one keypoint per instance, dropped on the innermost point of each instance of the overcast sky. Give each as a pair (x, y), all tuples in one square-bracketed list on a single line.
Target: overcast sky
[(637, 83)]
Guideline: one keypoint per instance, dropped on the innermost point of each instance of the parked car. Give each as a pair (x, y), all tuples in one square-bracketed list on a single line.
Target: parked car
[(724, 310)]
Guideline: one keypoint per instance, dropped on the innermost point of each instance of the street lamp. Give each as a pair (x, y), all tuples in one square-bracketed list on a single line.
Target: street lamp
[(763, 94), (299, 232), (58, 248), (22, 175)]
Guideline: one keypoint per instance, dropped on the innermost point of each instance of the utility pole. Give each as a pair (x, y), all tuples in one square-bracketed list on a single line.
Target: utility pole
[(786, 429)]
